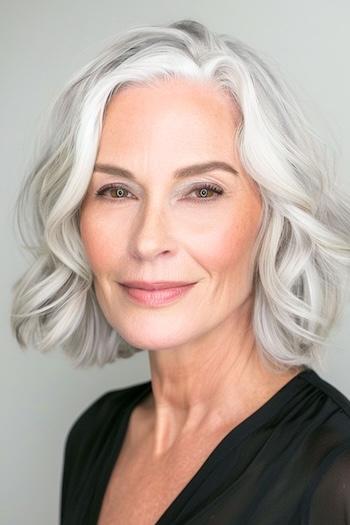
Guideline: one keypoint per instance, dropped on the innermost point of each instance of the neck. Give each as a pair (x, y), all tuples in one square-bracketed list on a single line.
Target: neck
[(201, 388)]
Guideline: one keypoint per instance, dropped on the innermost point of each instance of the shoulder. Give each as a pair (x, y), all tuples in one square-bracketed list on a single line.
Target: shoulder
[(88, 435), (329, 390), (89, 431), (99, 413), (329, 409)]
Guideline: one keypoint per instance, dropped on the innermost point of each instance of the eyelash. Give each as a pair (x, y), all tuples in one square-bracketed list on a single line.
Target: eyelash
[(216, 189)]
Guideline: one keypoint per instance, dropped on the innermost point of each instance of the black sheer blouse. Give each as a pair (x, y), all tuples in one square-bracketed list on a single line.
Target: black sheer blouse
[(286, 464)]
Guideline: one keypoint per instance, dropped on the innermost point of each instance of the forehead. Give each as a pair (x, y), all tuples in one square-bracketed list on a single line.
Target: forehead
[(171, 114)]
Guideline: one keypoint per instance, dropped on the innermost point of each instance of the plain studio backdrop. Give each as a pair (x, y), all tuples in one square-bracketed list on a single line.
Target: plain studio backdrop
[(42, 45)]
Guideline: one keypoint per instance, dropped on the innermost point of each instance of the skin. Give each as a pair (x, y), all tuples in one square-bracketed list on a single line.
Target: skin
[(205, 370)]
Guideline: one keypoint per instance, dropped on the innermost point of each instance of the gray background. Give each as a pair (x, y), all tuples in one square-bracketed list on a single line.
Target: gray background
[(41, 45)]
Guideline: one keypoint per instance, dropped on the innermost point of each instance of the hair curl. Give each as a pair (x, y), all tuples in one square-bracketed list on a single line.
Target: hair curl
[(302, 249)]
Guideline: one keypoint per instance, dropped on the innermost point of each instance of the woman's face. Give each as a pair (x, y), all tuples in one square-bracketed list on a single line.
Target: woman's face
[(157, 226)]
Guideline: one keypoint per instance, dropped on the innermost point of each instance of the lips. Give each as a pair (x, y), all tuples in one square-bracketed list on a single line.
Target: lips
[(156, 285), (156, 297)]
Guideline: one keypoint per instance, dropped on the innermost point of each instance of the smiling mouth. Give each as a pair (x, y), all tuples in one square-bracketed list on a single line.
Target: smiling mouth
[(156, 297)]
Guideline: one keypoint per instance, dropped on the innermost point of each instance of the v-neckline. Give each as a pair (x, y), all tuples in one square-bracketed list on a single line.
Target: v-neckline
[(231, 440)]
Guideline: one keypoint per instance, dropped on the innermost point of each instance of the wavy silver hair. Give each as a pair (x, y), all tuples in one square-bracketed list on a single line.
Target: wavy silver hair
[(302, 251)]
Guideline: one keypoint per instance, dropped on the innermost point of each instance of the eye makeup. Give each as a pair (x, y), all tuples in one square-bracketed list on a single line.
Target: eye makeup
[(115, 191)]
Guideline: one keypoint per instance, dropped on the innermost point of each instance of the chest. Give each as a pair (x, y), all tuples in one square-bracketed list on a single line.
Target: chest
[(131, 499), (140, 491)]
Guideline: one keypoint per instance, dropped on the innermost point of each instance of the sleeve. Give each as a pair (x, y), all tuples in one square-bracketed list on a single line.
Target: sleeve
[(328, 499)]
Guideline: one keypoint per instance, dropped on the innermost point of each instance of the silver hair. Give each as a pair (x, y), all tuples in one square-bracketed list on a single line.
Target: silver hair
[(302, 251)]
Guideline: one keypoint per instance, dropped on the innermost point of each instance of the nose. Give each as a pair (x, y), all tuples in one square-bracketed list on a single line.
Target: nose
[(151, 233)]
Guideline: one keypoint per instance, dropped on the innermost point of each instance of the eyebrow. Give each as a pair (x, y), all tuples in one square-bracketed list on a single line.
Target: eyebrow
[(187, 171)]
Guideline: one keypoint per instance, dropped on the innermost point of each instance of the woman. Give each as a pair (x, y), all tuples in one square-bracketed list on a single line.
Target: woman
[(182, 206)]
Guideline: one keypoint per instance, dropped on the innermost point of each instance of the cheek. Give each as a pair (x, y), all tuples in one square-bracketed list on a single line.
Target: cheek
[(225, 247), (225, 242), (102, 242)]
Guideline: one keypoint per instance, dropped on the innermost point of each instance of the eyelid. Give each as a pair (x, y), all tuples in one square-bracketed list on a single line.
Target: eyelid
[(182, 186)]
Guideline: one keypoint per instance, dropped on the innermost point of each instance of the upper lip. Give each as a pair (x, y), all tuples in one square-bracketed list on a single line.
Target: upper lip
[(156, 285)]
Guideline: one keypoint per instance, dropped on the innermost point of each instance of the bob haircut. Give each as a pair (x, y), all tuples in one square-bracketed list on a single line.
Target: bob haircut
[(302, 252)]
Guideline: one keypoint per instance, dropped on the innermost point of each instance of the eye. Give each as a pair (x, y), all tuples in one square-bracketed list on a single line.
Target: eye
[(117, 191), (204, 189)]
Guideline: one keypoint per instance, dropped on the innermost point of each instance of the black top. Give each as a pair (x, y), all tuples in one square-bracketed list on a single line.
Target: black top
[(286, 464)]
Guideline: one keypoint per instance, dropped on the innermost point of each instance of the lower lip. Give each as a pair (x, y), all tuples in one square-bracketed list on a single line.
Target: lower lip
[(157, 297)]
